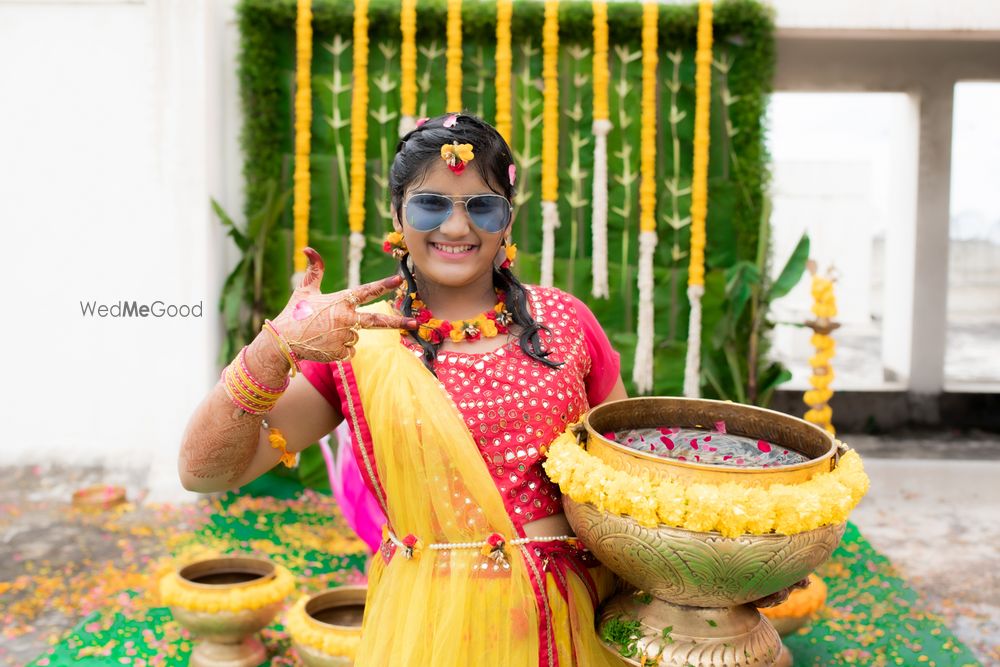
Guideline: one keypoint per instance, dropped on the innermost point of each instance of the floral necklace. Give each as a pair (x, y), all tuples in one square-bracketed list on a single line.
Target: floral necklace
[(495, 321)]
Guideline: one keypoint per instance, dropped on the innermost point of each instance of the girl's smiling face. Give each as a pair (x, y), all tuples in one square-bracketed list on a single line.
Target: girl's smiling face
[(458, 253)]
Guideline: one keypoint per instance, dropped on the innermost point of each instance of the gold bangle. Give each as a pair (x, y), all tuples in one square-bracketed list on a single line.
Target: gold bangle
[(285, 348)]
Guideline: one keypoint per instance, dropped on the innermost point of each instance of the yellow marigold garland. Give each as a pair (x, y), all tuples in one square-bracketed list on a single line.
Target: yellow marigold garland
[(359, 140), (177, 592), (454, 56), (505, 11), (550, 139), (699, 196), (303, 130), (642, 370), (699, 177), (825, 309), (600, 62), (647, 152), (729, 508), (408, 58), (326, 640), (801, 602), (550, 102), (601, 128)]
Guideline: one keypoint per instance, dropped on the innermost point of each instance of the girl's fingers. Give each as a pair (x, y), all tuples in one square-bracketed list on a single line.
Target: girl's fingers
[(373, 290), (314, 272), (386, 321)]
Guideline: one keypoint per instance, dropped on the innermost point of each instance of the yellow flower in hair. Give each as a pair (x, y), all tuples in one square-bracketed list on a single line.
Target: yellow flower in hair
[(457, 155)]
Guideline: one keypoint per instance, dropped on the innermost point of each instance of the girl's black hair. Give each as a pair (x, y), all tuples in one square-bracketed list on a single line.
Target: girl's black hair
[(415, 154)]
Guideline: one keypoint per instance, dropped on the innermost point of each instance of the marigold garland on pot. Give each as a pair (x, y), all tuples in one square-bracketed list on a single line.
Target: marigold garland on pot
[(453, 55), (699, 196), (330, 641), (303, 131), (408, 66), (642, 369), (505, 11), (550, 139), (601, 129), (359, 140), (728, 508), (175, 591)]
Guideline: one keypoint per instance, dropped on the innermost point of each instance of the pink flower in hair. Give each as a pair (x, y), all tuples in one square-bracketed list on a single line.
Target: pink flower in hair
[(422, 121), (512, 173), (451, 120)]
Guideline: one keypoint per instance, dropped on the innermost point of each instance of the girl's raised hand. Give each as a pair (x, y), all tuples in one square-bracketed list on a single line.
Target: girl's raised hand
[(324, 327)]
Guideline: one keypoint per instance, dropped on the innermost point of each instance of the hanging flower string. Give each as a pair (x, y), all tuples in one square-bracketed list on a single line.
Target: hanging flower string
[(505, 11), (408, 66), (601, 127), (303, 125), (642, 369), (550, 139), (825, 309), (454, 56), (699, 196), (359, 139), (493, 322)]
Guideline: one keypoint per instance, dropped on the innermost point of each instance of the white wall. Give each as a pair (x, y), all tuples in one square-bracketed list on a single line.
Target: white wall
[(117, 120)]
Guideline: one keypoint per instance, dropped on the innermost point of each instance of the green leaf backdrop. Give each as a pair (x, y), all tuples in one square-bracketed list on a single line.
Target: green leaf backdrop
[(742, 72)]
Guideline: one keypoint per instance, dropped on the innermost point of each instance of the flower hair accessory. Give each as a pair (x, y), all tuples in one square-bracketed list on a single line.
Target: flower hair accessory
[(395, 245), (456, 156)]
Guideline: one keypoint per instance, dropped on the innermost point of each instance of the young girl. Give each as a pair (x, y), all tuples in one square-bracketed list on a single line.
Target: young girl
[(452, 390)]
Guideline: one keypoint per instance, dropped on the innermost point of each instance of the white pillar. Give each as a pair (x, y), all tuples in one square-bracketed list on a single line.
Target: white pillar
[(930, 266)]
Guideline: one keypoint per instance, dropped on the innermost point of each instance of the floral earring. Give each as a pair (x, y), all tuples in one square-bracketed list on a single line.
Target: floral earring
[(510, 251), (395, 245)]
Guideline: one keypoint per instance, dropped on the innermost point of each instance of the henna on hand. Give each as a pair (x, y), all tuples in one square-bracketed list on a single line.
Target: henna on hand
[(325, 327)]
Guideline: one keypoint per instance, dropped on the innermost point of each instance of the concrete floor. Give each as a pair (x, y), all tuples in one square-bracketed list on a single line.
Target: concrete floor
[(934, 509)]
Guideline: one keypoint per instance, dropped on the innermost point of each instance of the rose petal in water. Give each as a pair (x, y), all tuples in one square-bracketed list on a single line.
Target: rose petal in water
[(694, 444), (764, 446), (667, 442)]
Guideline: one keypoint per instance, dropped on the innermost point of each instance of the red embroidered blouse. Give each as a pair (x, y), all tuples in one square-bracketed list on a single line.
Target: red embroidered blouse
[(511, 403)]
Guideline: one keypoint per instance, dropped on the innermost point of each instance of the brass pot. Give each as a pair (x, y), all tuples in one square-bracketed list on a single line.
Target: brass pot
[(692, 590), (226, 637), (329, 626)]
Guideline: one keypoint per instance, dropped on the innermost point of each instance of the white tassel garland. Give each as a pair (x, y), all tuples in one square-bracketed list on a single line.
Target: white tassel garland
[(642, 369), (357, 247), (599, 224), (406, 125), (692, 366), (550, 222)]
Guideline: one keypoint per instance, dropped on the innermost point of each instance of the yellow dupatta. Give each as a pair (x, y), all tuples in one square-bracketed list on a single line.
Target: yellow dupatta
[(447, 608)]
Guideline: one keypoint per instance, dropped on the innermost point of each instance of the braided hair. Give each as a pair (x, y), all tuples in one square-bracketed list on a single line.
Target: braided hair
[(415, 153)]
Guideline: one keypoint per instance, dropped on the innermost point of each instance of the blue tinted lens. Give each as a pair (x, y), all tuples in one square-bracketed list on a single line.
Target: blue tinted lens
[(426, 212), (488, 212)]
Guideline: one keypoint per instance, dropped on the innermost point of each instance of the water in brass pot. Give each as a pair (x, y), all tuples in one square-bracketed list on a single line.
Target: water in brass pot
[(345, 615), (713, 447)]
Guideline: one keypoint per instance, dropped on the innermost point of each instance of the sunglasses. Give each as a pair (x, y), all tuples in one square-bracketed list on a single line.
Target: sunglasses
[(427, 211)]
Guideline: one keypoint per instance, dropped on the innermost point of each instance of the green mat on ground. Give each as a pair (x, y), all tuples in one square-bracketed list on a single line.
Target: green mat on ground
[(872, 617)]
